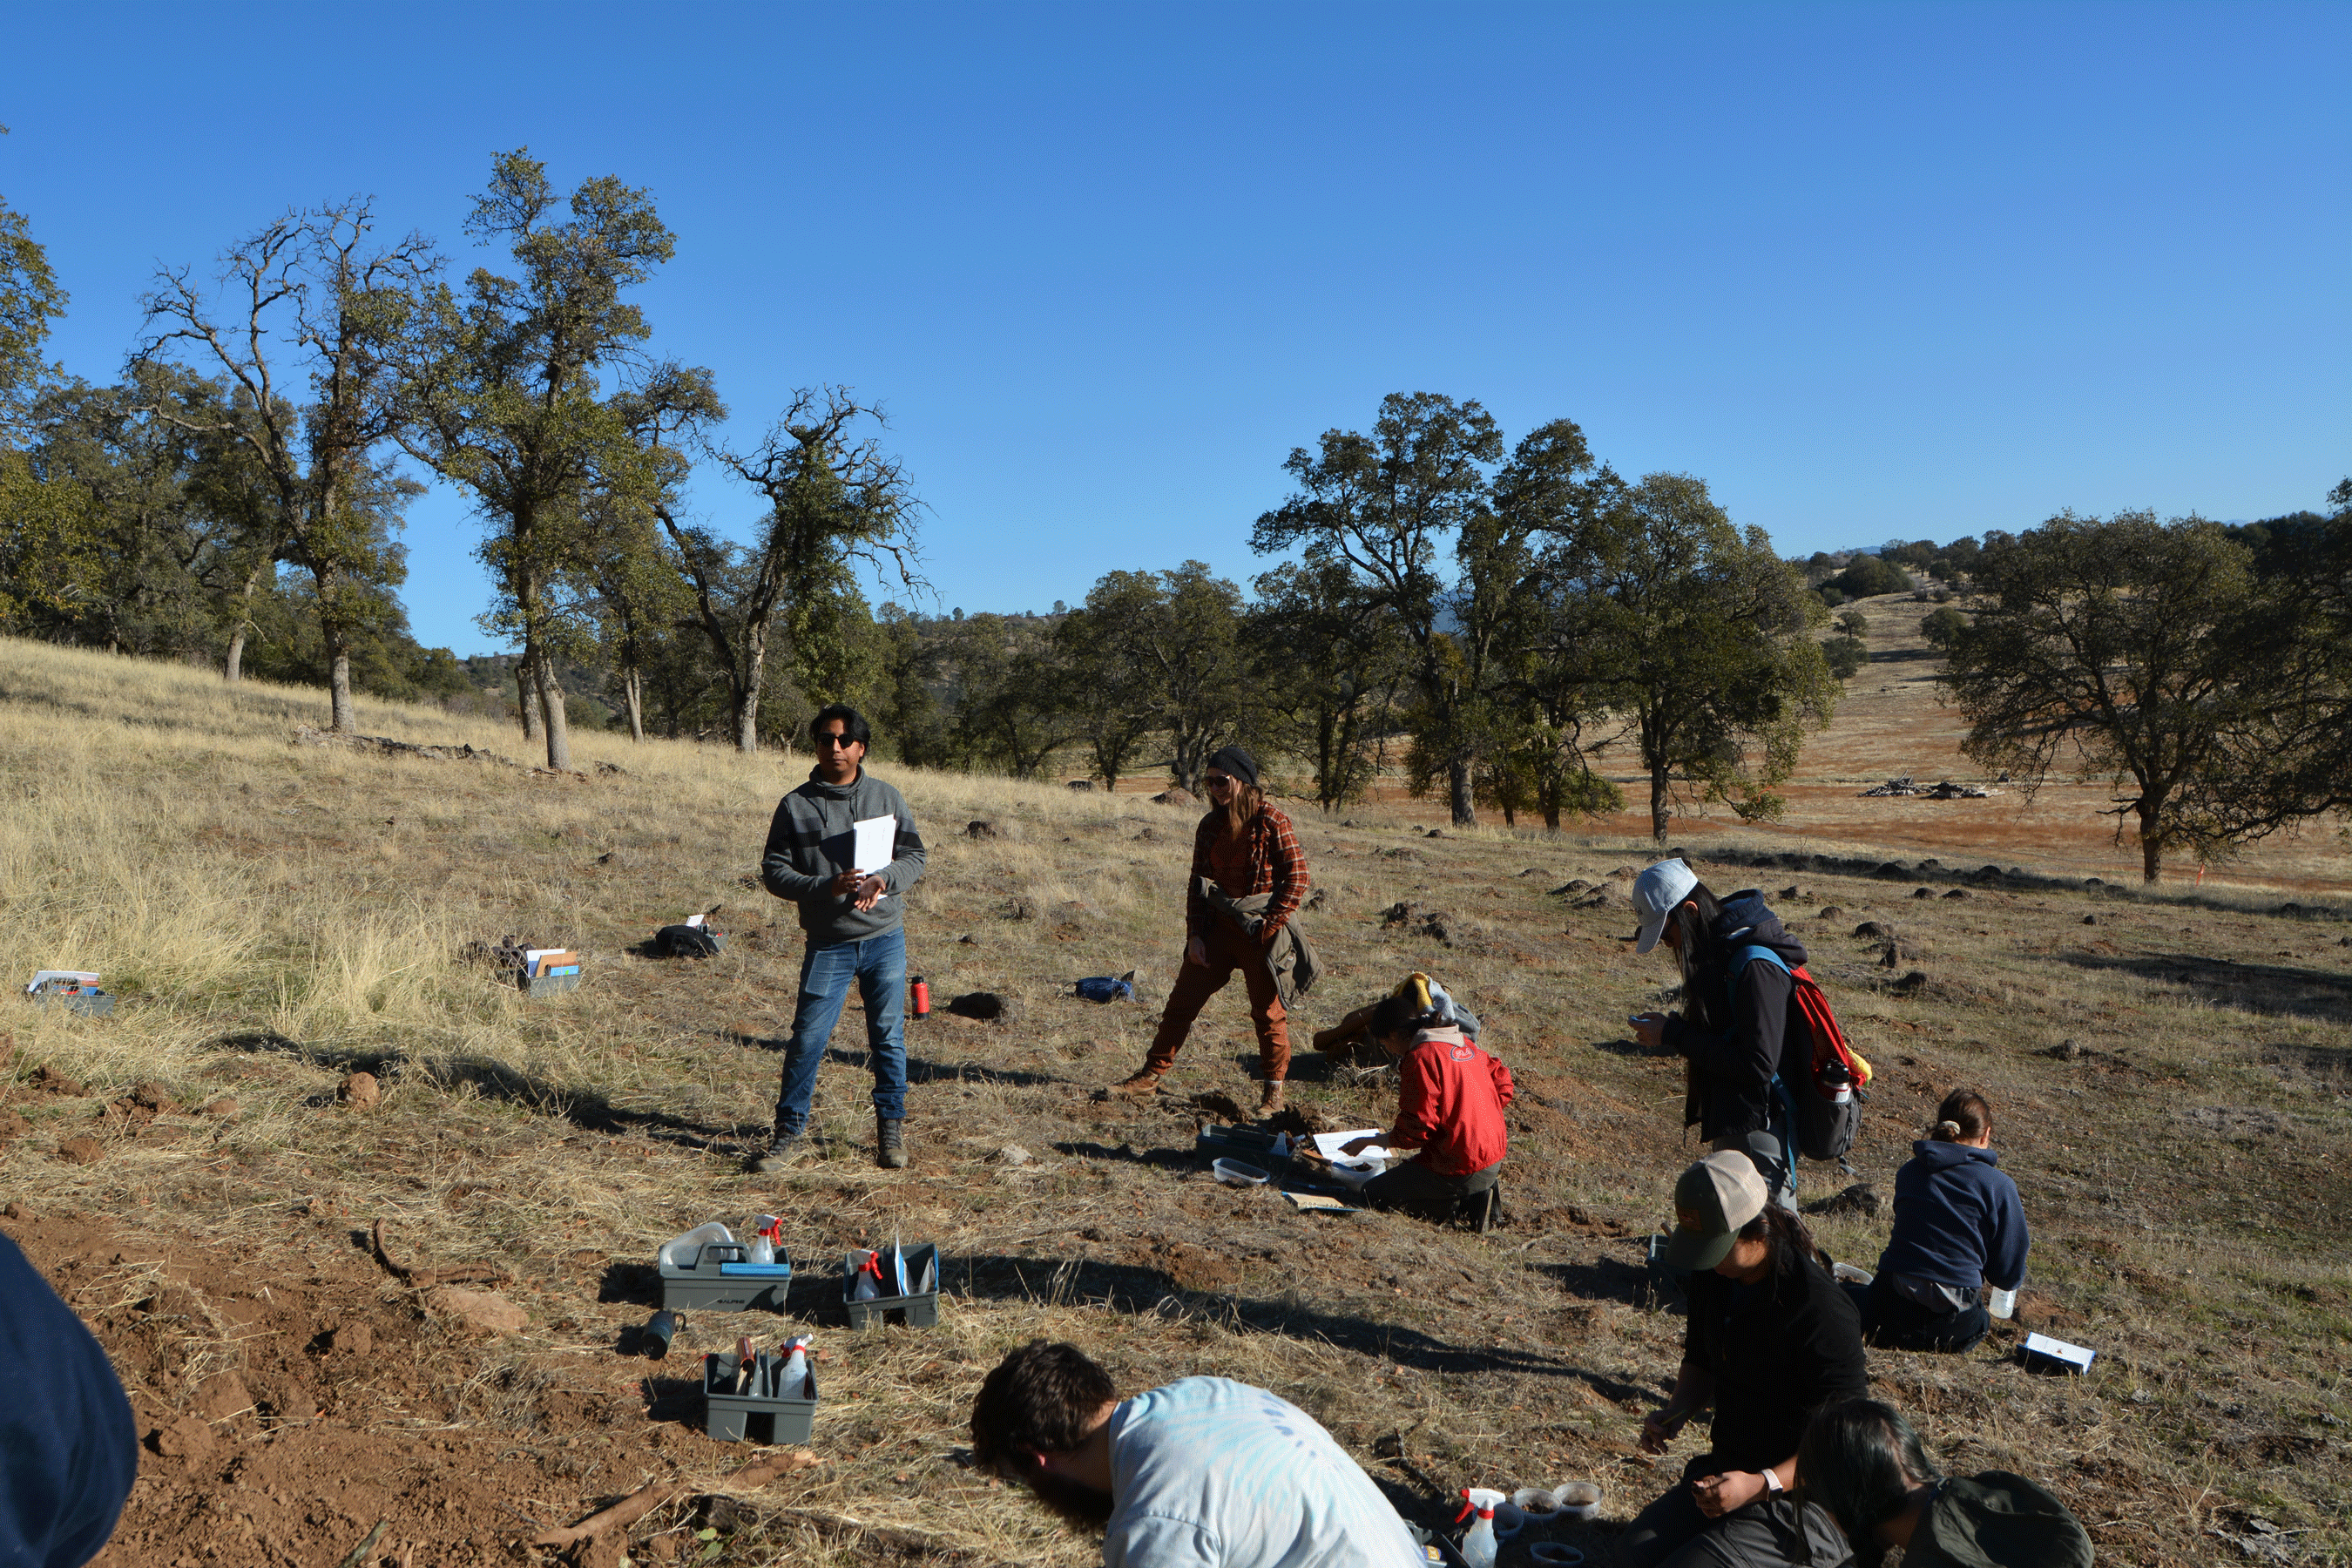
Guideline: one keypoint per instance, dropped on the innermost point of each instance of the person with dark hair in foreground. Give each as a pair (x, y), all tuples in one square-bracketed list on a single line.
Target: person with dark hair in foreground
[(1770, 1338), (1958, 1226), (68, 1442), (1863, 1464), (1736, 1023), (1204, 1473), (1450, 1101), (855, 920)]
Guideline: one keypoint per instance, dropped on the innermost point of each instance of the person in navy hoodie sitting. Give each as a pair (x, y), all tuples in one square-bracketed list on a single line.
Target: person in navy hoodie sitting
[(1958, 1226)]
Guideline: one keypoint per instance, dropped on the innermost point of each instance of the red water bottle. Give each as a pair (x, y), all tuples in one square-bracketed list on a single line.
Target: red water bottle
[(922, 989)]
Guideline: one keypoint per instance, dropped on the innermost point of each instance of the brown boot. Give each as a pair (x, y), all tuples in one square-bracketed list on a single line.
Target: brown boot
[(1142, 1086), (1270, 1102)]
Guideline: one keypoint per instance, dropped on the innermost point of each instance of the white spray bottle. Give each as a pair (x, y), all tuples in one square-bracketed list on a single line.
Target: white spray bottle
[(795, 1380), (1478, 1545)]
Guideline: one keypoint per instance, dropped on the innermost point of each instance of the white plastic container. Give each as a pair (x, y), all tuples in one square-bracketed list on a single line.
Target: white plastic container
[(1847, 1274), (1578, 1500), (1233, 1173), (1536, 1502), (680, 1251), (2000, 1303)]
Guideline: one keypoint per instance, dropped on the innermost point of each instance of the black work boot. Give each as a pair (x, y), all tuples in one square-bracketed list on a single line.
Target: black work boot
[(784, 1150), (889, 1142)]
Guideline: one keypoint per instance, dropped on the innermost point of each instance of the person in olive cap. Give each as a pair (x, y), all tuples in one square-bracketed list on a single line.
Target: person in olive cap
[(1249, 876), (1863, 1463), (1770, 1338)]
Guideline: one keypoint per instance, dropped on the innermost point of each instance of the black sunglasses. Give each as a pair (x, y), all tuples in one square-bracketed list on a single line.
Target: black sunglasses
[(829, 738), (1215, 780)]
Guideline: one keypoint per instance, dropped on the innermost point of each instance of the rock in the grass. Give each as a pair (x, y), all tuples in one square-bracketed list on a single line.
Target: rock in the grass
[(83, 1151), (1923, 892), (1914, 981), (1536, 871), (225, 1107), (2066, 1051), (1956, 892), (1176, 795), (1434, 833), (358, 1339), (1014, 1154), (1081, 783), (2090, 920), (362, 1089), (1861, 1198), (1869, 930), (1315, 899), (1146, 833), (979, 830), (151, 1097), (1833, 912), (485, 1310)]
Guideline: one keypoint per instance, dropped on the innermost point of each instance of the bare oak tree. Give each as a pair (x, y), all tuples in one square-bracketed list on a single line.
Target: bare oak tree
[(316, 423)]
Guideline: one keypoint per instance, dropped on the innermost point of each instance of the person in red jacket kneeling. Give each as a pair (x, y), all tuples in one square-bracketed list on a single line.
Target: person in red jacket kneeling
[(1450, 1101)]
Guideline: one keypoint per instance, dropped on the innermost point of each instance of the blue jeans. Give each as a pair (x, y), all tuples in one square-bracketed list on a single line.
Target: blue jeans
[(878, 964)]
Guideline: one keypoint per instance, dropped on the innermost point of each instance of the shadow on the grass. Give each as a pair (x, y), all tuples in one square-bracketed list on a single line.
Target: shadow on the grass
[(920, 1069), (1145, 1291), (1128, 1155), (2268, 988), (586, 1108)]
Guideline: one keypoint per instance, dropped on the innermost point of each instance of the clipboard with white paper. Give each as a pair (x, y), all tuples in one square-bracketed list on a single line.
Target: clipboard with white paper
[(876, 836)]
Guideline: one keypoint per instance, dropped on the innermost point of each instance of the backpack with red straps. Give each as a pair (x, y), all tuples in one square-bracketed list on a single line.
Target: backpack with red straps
[(1825, 1097)]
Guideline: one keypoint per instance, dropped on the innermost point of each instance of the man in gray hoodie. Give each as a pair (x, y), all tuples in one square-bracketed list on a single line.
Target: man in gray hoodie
[(854, 916)]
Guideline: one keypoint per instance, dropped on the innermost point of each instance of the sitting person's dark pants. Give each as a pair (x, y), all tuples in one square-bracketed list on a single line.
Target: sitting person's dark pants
[(1411, 1186), (1766, 1531), (1891, 1318)]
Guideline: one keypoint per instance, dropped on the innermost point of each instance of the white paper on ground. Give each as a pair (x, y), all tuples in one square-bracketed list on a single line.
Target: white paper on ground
[(1328, 1145), (694, 919), (876, 836), (77, 976), (2074, 1356)]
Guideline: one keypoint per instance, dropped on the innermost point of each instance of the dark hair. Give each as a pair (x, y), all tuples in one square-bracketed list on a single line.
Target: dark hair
[(1792, 1246), (854, 726), (1395, 1013), (1963, 1115), (1042, 1398), (1860, 1461), (1707, 1000)]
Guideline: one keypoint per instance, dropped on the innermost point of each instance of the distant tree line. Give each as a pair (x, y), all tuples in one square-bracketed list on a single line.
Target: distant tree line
[(1497, 620)]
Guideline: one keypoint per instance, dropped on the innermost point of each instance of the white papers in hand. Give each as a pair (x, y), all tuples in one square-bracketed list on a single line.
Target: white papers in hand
[(876, 836)]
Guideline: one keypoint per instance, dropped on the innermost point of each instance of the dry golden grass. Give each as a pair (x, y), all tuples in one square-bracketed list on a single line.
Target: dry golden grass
[(273, 915)]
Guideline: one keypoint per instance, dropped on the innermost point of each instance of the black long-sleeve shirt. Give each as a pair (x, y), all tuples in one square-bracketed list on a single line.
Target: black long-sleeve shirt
[(1732, 1070), (1778, 1351)]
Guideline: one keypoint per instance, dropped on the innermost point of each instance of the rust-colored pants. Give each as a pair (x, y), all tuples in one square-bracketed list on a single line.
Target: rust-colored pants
[(1230, 948)]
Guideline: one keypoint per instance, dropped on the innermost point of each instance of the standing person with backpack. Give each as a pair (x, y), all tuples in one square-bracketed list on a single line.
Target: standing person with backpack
[(1249, 876), (1749, 1024), (1958, 1226), (855, 920)]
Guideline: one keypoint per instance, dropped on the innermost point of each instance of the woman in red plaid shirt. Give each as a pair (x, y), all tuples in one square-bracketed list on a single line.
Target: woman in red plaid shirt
[(1249, 876)]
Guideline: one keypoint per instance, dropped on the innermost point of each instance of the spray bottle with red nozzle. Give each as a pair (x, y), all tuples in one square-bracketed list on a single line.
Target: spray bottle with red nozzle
[(1478, 1546), (869, 1278), (766, 1240)]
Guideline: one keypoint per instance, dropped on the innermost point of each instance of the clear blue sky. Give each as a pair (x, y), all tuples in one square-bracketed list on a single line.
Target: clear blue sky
[(1869, 269)]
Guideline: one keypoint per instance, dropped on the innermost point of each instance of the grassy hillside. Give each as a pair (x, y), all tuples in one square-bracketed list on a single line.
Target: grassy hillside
[(2169, 1075)]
